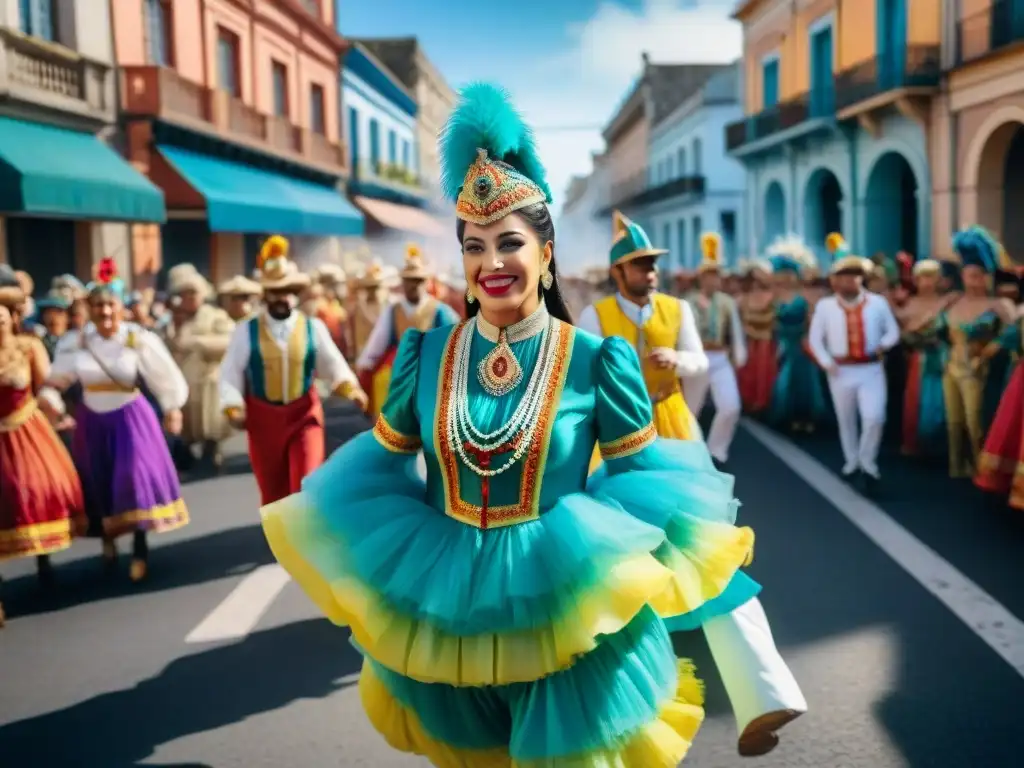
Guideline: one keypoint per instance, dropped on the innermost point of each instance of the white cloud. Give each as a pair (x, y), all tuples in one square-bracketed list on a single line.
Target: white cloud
[(580, 86)]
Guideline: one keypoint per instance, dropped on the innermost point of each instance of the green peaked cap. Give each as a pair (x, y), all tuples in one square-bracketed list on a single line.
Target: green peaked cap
[(629, 241)]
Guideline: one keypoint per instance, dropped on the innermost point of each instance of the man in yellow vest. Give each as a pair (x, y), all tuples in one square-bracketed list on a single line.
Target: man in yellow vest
[(723, 340), (659, 326)]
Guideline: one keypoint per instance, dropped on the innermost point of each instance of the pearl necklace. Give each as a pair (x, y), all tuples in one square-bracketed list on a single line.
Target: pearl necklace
[(520, 430)]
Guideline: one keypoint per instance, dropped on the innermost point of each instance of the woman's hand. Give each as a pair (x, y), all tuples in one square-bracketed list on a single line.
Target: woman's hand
[(173, 422)]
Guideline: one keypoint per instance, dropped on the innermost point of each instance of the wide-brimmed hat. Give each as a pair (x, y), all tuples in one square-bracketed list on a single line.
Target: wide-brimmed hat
[(185, 277), (629, 241), (845, 262), (54, 299), (277, 271), (373, 275), (239, 285), (414, 268), (329, 275)]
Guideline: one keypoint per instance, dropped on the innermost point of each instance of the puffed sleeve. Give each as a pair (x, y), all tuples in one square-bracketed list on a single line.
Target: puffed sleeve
[(398, 427), (158, 369), (672, 485)]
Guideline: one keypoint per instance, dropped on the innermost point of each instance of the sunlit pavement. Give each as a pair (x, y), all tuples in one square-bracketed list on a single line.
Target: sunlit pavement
[(219, 662)]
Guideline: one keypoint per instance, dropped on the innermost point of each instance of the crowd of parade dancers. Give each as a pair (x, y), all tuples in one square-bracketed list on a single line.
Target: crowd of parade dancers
[(572, 514)]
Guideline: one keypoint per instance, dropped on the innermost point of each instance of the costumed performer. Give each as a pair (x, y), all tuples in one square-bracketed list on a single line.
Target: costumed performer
[(659, 327), (53, 319), (416, 309), (850, 333), (197, 338), (332, 309), (798, 400), (268, 379), (721, 333), (972, 326), (41, 503), (121, 453), (369, 305), (509, 611), (757, 313), (920, 317), (239, 296)]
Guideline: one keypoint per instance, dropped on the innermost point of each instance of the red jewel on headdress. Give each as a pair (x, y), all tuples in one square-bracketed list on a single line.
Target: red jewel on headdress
[(106, 271)]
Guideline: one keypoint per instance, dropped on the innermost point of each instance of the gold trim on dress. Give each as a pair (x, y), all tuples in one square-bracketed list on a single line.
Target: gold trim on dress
[(627, 445), (111, 387), (527, 506), (35, 539), (19, 415), (393, 440), (166, 517)]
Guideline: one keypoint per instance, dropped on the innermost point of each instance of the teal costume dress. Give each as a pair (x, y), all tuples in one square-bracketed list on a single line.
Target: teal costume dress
[(924, 405), (518, 619), (798, 397)]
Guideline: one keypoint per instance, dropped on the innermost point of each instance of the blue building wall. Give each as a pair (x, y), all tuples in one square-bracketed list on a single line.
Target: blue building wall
[(691, 142)]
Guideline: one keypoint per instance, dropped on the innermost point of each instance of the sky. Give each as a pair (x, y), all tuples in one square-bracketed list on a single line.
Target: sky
[(567, 63)]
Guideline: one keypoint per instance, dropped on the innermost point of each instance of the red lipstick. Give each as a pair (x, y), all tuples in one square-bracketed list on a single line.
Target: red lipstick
[(497, 285)]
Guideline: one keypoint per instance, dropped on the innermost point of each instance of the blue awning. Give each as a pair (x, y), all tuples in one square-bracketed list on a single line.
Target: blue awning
[(53, 172), (241, 198)]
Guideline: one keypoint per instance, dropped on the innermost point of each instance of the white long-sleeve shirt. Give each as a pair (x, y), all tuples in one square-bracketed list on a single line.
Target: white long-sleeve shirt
[(828, 336), (379, 340), (330, 366), (146, 358), (690, 357)]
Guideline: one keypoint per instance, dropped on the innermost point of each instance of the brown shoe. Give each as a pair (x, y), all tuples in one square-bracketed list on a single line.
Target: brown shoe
[(760, 737), (138, 570)]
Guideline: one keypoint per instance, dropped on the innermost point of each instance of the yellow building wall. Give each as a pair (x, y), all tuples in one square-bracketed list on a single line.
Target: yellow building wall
[(858, 33), (924, 22)]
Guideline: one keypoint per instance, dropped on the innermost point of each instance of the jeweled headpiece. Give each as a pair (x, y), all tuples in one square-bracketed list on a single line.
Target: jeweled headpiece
[(789, 253), (844, 260), (489, 162), (106, 280)]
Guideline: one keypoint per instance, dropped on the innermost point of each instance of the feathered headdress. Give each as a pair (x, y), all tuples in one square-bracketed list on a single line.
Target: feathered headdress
[(274, 247), (789, 253), (711, 250), (843, 259), (489, 162), (977, 247), (106, 280)]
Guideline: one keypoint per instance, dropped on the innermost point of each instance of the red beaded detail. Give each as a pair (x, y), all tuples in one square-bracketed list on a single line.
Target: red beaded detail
[(527, 506)]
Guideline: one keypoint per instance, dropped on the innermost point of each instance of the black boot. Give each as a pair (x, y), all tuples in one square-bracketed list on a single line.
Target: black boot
[(45, 572)]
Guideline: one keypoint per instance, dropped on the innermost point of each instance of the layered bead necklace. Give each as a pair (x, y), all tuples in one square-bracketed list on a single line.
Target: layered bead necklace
[(499, 373)]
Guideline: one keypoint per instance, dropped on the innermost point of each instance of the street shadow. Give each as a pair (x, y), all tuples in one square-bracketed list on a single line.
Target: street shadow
[(203, 692), (171, 565)]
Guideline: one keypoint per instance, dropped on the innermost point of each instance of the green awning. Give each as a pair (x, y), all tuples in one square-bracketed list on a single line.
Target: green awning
[(61, 174)]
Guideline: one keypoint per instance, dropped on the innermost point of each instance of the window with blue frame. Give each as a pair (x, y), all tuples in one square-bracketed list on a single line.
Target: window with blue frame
[(670, 169), (392, 148), (681, 238), (405, 156), (698, 151), (38, 18), (770, 83), (666, 238), (158, 25), (822, 78), (696, 238), (681, 163), (374, 144), (353, 138)]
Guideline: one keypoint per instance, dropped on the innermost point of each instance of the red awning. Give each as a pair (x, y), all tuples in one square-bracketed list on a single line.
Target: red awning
[(403, 218)]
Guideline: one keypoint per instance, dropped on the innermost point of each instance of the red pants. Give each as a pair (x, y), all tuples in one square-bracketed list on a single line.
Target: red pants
[(286, 443)]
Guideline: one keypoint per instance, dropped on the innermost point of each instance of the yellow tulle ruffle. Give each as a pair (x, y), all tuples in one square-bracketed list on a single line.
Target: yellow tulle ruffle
[(662, 743), (421, 651), (703, 573)]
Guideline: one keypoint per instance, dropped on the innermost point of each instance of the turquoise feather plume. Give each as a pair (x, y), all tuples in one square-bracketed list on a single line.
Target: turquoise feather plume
[(485, 118), (976, 246)]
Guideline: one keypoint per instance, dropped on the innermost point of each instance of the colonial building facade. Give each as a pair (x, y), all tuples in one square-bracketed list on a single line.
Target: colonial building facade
[(838, 102)]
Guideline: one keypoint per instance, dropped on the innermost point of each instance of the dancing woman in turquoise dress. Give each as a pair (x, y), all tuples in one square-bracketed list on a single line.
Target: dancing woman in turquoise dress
[(510, 612)]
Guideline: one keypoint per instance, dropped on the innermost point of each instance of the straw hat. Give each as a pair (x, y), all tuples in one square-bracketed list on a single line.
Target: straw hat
[(414, 268), (240, 285), (373, 275), (844, 260), (329, 275), (185, 277), (277, 271)]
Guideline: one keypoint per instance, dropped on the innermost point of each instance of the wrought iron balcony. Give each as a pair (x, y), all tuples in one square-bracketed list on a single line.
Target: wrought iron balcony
[(390, 177), (160, 92), (637, 191), (919, 68), (768, 122), (48, 74), (996, 27)]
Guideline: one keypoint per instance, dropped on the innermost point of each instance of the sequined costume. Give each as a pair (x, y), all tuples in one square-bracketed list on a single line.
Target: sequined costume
[(508, 609)]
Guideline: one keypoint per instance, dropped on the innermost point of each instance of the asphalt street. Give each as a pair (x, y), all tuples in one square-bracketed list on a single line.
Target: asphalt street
[(218, 662)]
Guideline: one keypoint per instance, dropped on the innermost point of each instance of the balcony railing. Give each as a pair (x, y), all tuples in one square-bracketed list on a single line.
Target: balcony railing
[(921, 67), (161, 92), (390, 176), (48, 74), (638, 191), (999, 25), (780, 117)]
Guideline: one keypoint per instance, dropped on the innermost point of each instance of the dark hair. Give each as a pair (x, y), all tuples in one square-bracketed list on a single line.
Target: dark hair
[(539, 218)]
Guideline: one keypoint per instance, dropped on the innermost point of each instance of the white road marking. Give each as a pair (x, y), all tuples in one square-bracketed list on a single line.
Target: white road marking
[(237, 615), (983, 615)]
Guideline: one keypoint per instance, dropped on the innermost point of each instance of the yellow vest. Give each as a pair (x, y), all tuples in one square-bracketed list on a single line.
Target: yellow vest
[(661, 330)]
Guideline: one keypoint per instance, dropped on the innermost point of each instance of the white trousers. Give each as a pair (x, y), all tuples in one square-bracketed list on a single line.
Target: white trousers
[(725, 394), (753, 672), (860, 390)]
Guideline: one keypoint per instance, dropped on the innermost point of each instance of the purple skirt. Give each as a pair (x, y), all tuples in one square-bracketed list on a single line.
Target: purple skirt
[(129, 480)]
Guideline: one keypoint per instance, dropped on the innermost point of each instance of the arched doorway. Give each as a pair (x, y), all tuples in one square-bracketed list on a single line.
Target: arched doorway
[(774, 212), (1001, 187), (891, 208), (822, 210)]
